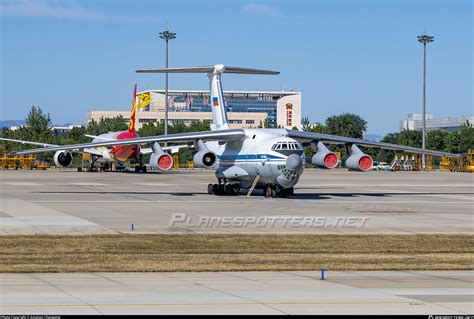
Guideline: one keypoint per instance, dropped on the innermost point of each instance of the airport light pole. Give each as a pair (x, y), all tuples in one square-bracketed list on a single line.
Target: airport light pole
[(167, 35), (424, 39)]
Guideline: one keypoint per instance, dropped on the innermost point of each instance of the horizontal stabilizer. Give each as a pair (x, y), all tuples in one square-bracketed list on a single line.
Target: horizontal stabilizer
[(215, 69)]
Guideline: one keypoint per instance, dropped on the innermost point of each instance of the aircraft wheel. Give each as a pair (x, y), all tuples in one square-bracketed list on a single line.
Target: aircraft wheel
[(268, 191), (236, 189), (275, 194), (210, 189), (137, 169), (215, 189), (144, 169)]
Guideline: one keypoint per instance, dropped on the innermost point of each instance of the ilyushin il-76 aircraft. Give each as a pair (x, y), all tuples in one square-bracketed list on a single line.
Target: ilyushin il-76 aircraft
[(269, 159), (162, 161)]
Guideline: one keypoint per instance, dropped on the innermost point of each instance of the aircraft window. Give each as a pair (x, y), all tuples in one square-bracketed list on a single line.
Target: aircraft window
[(291, 146), (284, 146)]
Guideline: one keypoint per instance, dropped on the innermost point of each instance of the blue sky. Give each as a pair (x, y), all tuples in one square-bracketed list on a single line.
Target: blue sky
[(70, 57)]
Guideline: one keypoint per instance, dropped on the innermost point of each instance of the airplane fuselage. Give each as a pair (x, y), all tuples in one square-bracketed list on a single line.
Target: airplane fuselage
[(119, 153), (263, 152)]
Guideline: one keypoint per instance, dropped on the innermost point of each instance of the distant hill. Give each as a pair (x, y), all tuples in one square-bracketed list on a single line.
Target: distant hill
[(9, 123), (373, 137)]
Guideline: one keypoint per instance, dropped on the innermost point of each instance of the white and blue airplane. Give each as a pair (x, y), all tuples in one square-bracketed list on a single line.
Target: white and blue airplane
[(269, 159)]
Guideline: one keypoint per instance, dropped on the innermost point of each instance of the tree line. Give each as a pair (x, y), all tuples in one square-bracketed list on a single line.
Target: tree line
[(37, 129), (352, 125)]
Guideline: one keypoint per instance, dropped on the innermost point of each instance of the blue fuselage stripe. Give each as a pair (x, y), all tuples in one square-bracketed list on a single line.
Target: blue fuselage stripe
[(249, 157)]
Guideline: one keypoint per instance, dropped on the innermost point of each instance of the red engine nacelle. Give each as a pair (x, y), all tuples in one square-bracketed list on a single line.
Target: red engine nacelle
[(162, 162), (358, 161), (324, 158)]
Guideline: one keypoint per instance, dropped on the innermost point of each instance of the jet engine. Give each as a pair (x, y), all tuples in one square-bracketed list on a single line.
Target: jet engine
[(160, 160), (204, 158), (62, 158), (358, 161), (324, 158)]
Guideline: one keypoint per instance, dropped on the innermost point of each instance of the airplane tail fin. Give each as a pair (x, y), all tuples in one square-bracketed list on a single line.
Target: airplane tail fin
[(219, 115), (131, 127)]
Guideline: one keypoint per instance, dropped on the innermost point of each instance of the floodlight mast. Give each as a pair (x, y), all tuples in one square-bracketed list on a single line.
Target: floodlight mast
[(167, 35), (424, 39)]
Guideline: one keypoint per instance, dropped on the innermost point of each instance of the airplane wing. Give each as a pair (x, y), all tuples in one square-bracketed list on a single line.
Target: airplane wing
[(307, 137), (26, 142), (223, 135), (91, 151), (173, 149), (91, 136)]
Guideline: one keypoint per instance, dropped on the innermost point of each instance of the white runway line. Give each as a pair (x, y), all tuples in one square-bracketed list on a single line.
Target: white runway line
[(21, 184), (269, 201), (26, 213)]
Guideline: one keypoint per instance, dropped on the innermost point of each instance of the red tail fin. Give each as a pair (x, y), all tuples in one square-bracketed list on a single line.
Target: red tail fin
[(131, 127)]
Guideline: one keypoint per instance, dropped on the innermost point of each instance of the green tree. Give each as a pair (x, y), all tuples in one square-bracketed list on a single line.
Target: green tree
[(466, 137), (409, 138), (347, 124), (436, 140), (305, 124), (115, 124)]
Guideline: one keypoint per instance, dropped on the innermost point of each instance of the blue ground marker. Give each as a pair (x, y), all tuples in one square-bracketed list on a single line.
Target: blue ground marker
[(133, 226), (322, 274)]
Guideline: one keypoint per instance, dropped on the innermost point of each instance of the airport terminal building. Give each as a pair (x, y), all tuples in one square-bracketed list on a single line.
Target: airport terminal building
[(414, 122), (245, 109)]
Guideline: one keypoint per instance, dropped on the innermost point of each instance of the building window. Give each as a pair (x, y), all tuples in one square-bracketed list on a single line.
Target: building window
[(250, 122), (147, 121)]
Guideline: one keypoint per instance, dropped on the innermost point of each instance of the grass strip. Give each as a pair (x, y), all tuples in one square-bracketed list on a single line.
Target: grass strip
[(234, 252)]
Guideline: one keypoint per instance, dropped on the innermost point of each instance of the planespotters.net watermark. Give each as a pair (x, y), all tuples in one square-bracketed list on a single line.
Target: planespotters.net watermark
[(183, 220)]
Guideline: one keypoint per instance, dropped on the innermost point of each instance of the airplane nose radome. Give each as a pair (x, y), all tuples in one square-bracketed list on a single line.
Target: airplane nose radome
[(294, 161)]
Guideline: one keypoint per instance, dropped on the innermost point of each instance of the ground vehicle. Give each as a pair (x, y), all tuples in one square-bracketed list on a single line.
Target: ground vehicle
[(380, 166)]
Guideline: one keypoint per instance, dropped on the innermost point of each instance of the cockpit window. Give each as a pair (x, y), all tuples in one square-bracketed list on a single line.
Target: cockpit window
[(287, 146)]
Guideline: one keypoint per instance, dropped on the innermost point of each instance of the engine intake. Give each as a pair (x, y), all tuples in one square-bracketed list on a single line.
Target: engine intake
[(160, 160), (358, 161), (324, 158), (62, 158), (204, 159)]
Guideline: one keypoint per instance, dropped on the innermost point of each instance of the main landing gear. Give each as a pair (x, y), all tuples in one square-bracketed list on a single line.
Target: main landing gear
[(140, 167), (222, 188), (274, 191), (269, 190)]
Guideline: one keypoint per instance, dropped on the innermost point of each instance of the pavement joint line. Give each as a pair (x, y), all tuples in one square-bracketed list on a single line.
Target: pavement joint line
[(227, 303), (239, 297), (244, 202), (449, 308), (438, 277), (64, 291)]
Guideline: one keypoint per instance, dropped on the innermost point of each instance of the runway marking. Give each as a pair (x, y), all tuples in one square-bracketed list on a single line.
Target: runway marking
[(220, 304), (31, 214), (283, 302), (154, 184), (329, 185), (88, 184), (266, 201)]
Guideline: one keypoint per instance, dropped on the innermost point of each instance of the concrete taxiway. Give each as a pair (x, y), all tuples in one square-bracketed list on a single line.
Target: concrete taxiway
[(427, 292), (68, 202)]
